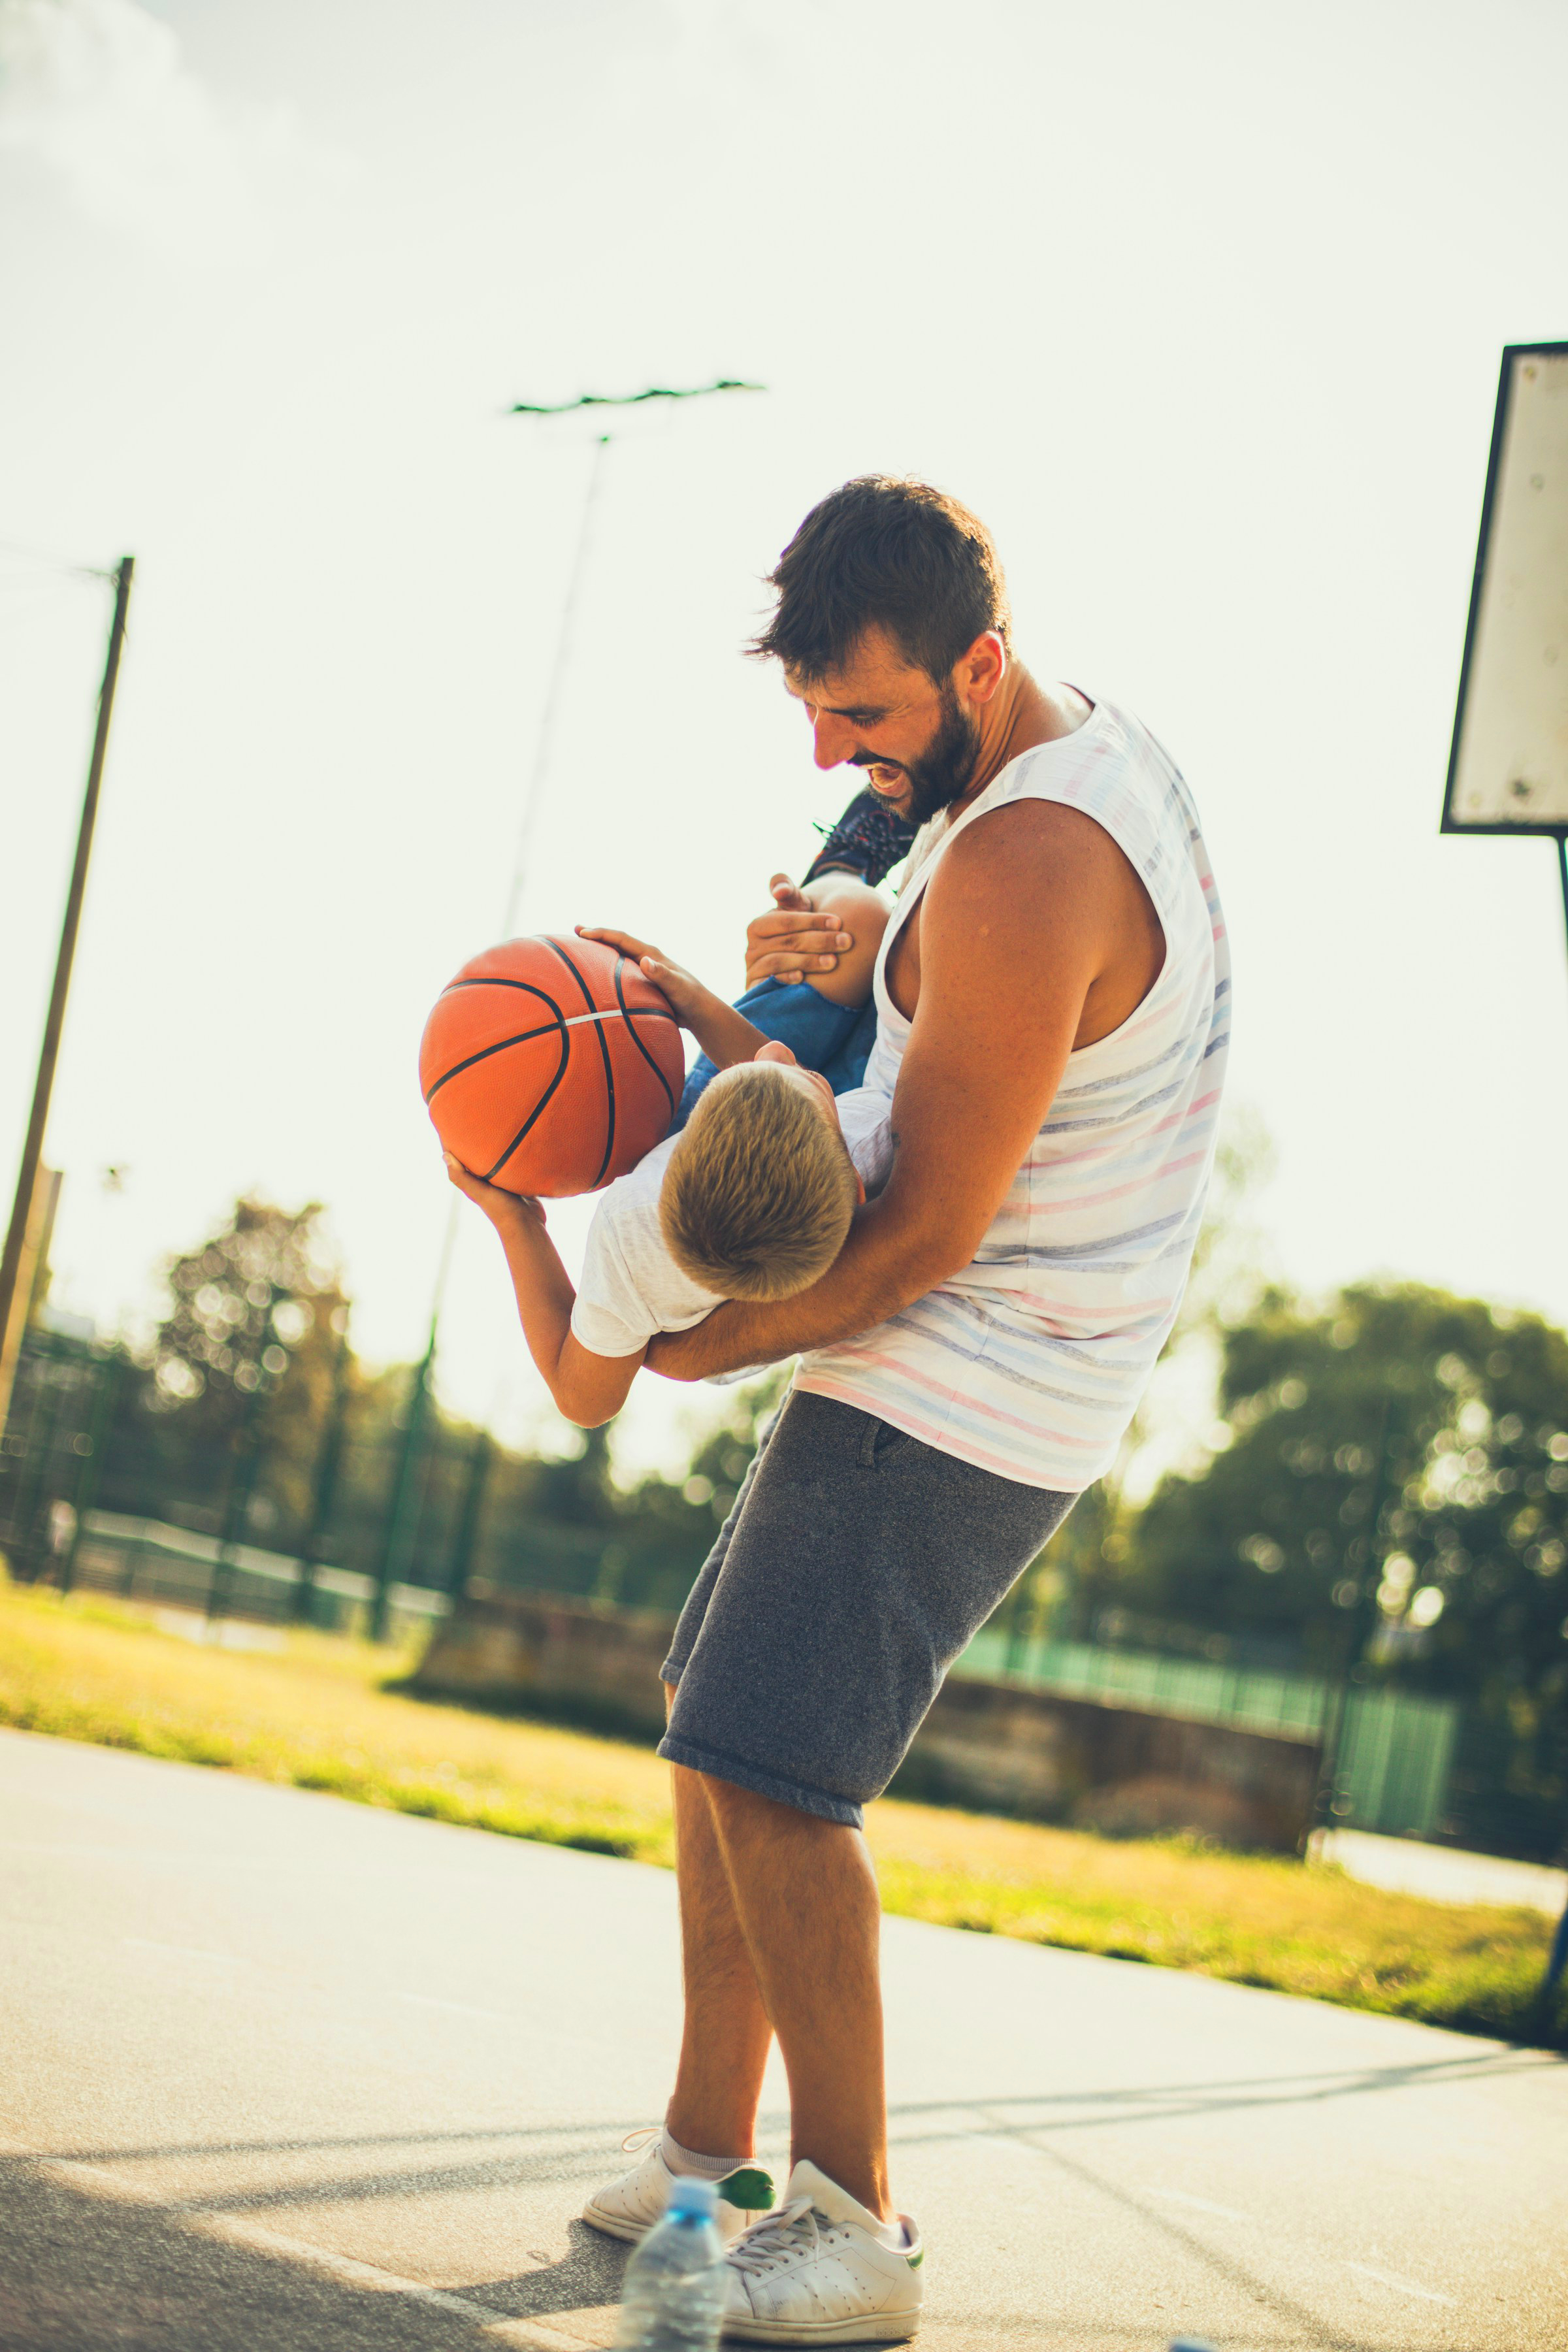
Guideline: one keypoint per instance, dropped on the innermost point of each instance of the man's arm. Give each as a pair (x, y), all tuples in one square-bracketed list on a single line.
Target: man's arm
[(1029, 907), (586, 1388)]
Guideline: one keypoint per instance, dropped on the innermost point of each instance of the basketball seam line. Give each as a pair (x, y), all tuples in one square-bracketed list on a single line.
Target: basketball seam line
[(546, 1028), (604, 1056), (637, 1041), (491, 1174)]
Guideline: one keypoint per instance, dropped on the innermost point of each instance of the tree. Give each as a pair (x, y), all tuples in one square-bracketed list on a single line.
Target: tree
[(247, 1354), (1390, 1472)]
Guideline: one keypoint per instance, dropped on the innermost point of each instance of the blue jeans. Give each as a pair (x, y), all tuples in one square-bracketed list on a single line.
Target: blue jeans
[(836, 1039)]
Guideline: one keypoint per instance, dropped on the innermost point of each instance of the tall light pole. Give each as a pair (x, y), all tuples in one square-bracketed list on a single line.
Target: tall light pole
[(400, 1511)]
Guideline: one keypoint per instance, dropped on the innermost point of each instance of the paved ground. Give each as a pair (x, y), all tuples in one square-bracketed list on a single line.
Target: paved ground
[(283, 2074), (1443, 1874)]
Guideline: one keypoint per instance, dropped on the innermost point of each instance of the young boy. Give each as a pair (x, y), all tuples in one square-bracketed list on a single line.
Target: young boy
[(749, 1197)]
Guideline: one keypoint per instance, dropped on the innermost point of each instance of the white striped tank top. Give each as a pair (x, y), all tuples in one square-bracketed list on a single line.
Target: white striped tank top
[(1030, 1360)]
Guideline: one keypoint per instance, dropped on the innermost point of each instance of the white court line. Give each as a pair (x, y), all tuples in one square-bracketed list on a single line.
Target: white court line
[(1400, 2285), (1362, 2270), (237, 2229), (1202, 2204)]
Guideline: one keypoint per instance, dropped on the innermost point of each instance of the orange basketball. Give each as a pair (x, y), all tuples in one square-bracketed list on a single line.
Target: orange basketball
[(550, 1066)]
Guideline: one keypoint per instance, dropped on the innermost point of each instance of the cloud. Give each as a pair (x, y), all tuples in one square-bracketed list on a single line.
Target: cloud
[(97, 103)]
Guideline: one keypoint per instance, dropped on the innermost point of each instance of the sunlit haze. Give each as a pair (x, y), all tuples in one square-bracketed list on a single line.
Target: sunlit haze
[(1200, 308)]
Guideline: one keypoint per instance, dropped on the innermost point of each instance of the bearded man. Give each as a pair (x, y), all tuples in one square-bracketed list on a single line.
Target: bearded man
[(1052, 1017)]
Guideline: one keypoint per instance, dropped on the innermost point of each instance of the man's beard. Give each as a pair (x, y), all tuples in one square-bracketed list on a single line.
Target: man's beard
[(944, 768)]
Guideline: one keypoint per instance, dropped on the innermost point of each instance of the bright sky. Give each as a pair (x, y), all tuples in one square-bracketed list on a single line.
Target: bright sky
[(1200, 308)]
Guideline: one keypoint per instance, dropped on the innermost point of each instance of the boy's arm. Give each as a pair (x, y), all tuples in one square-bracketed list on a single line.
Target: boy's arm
[(725, 1035), (586, 1388)]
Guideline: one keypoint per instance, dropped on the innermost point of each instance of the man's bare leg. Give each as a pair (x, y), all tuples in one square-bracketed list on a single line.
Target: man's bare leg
[(726, 2035), (805, 1892)]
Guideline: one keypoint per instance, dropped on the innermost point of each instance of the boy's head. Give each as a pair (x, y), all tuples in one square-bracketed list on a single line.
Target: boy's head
[(759, 1191)]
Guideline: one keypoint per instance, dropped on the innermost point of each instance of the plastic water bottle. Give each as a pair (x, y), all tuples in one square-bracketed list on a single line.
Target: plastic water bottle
[(674, 2297)]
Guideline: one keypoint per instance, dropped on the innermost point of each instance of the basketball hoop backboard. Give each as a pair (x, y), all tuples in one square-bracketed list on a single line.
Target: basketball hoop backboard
[(1508, 772)]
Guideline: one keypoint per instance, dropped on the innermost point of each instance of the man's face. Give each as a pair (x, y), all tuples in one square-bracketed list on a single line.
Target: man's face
[(916, 740)]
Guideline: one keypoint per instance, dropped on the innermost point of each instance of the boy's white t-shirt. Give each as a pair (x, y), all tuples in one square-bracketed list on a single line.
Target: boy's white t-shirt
[(631, 1286)]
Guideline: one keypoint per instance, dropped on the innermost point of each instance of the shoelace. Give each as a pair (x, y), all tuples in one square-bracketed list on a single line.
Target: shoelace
[(786, 2232), (640, 2137)]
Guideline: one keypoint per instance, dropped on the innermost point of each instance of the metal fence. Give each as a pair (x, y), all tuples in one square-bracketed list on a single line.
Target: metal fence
[(1395, 1753), (143, 1559), (359, 1503), (79, 1451)]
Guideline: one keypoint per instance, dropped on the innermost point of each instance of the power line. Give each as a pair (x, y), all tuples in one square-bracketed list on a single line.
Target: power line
[(630, 399), (56, 562)]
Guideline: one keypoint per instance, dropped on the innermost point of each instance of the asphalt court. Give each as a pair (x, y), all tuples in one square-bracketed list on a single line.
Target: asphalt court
[(277, 2068)]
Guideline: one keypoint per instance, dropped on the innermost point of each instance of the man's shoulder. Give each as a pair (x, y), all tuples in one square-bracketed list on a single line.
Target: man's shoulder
[(1028, 844)]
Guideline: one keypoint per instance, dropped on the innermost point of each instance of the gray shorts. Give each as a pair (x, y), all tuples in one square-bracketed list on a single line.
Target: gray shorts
[(855, 1567)]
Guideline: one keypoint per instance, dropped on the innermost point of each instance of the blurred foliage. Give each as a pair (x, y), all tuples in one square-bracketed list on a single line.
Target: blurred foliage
[(1389, 1486), (248, 1351), (252, 1366)]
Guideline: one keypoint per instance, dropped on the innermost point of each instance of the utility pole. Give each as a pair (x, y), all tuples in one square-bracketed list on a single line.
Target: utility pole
[(1336, 1694), (395, 1543), (329, 1462), (54, 1023)]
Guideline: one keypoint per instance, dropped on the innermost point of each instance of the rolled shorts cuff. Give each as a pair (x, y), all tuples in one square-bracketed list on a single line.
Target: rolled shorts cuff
[(717, 1766)]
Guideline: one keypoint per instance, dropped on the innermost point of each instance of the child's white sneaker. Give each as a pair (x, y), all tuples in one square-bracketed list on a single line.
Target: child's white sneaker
[(630, 2207), (820, 2271)]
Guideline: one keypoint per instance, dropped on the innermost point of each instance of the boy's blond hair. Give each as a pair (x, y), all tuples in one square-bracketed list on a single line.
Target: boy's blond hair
[(759, 1191)]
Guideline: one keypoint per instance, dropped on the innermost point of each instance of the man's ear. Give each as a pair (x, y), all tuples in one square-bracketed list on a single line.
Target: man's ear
[(859, 1188), (980, 671)]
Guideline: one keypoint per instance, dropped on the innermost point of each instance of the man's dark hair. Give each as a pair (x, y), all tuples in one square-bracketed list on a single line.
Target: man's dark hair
[(888, 552)]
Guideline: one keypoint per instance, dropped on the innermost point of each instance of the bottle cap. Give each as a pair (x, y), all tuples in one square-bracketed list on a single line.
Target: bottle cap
[(696, 2198)]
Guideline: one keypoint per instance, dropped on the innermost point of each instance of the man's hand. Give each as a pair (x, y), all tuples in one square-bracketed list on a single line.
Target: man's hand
[(796, 939)]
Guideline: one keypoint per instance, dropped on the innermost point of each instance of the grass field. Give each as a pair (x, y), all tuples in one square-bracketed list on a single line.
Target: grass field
[(317, 1715)]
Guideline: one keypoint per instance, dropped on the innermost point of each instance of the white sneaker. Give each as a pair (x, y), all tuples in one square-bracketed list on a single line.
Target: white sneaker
[(818, 2272), (630, 2207)]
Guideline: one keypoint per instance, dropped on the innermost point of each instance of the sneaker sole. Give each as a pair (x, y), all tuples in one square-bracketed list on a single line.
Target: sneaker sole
[(628, 2232), (632, 2234), (875, 2327)]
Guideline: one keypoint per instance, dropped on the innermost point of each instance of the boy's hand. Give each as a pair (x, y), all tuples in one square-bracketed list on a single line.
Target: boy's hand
[(788, 944), (688, 1000), (724, 1034), (503, 1209)]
